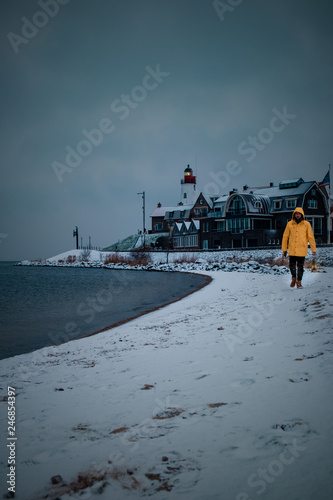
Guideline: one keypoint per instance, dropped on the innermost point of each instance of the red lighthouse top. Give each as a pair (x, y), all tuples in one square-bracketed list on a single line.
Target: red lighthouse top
[(189, 178)]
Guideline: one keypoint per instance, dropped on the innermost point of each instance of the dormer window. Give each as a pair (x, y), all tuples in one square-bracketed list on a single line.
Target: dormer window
[(237, 206), (277, 204), (291, 203)]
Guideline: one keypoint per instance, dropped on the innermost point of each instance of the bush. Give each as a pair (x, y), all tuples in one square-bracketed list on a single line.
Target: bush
[(186, 259), (139, 258), (115, 259), (70, 259)]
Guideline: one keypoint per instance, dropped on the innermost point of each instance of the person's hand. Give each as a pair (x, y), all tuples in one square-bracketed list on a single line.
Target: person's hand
[(314, 254), (284, 254)]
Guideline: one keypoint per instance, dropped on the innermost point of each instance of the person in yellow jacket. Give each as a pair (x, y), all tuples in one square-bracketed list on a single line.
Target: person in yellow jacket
[(297, 234)]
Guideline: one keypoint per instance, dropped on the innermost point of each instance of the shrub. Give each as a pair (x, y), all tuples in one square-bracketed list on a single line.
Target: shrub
[(71, 259), (139, 258), (186, 259), (115, 259)]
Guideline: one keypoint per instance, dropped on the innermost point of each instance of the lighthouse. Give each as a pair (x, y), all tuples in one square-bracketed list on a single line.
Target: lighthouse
[(188, 187)]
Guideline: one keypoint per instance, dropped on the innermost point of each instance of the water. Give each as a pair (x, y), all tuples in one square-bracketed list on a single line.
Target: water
[(42, 306)]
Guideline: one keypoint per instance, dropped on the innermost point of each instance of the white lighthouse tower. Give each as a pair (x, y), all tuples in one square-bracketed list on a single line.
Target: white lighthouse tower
[(188, 187)]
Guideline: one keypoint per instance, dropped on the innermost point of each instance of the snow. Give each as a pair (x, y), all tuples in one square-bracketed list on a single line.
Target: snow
[(228, 260), (224, 394)]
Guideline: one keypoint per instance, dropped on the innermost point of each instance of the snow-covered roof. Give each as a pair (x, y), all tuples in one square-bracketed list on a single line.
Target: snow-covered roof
[(186, 226), (277, 192), (221, 199), (179, 212), (209, 198), (160, 211), (299, 180), (257, 203)]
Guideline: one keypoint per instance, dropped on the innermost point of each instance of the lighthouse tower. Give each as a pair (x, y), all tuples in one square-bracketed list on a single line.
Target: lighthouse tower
[(188, 187)]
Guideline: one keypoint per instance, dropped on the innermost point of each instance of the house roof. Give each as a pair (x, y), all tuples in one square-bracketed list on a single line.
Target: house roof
[(186, 227), (277, 192), (184, 209), (257, 203), (160, 211), (209, 198)]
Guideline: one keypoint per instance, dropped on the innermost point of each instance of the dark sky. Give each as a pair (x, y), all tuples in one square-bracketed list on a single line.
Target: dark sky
[(104, 99)]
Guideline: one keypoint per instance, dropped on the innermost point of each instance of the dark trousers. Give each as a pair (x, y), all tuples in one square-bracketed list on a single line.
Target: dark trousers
[(296, 263)]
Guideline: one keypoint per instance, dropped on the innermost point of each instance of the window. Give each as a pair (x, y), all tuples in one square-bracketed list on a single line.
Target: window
[(221, 226), (257, 204), (313, 192), (291, 203), (204, 211), (277, 204), (197, 211), (158, 226), (171, 215), (261, 224), (238, 225), (317, 226), (312, 204), (237, 206), (185, 195)]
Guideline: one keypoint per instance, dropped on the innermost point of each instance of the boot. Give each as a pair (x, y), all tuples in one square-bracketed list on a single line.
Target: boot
[(293, 282), (299, 284)]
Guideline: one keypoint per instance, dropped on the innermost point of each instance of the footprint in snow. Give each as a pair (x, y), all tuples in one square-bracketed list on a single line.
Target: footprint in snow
[(242, 382)]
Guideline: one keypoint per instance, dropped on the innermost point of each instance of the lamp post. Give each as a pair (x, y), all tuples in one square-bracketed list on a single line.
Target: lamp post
[(144, 217)]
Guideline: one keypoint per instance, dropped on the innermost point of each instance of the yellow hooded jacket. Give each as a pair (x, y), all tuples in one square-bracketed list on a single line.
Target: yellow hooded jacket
[(296, 236)]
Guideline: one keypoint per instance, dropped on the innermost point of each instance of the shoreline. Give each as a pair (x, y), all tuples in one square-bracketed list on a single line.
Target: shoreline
[(127, 319), (208, 280)]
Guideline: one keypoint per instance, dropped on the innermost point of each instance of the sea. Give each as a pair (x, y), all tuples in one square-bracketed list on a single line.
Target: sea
[(44, 306)]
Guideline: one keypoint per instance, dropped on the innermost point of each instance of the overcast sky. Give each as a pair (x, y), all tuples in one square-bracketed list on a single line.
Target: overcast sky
[(104, 99)]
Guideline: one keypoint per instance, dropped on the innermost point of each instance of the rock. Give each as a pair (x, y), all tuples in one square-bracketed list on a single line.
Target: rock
[(56, 479)]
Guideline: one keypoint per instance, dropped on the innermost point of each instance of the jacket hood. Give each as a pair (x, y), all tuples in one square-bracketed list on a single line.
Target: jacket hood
[(300, 210)]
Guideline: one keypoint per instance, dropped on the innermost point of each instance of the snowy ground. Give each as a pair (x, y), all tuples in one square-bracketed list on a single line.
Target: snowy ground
[(232, 260), (226, 394)]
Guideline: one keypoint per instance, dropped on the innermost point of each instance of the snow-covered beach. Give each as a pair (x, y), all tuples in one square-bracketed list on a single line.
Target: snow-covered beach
[(225, 394)]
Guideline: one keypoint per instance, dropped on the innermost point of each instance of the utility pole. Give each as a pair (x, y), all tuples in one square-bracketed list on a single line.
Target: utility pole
[(76, 234), (329, 205), (144, 217)]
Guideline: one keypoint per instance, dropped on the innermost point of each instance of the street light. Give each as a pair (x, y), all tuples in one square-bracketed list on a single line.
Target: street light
[(144, 217)]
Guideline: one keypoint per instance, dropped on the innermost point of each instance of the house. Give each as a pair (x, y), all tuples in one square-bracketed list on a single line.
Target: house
[(185, 235), (258, 216), (250, 218), (183, 222), (163, 219)]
